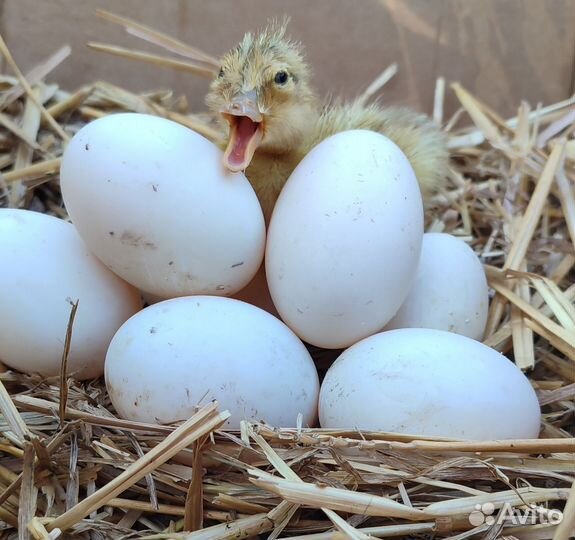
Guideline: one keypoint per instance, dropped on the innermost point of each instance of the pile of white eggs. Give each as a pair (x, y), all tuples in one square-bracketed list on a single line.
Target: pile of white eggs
[(347, 266)]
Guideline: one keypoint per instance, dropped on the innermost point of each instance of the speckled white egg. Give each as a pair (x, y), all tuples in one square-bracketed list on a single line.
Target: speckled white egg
[(427, 382), (178, 354), (152, 200), (45, 267), (449, 291), (344, 239)]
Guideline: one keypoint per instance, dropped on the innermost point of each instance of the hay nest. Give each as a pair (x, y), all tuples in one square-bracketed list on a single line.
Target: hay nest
[(70, 467)]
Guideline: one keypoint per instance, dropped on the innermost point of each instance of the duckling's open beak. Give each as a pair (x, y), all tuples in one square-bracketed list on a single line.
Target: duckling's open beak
[(246, 130)]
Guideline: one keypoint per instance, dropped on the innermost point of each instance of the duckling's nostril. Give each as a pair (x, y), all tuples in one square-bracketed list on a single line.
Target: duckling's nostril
[(244, 105)]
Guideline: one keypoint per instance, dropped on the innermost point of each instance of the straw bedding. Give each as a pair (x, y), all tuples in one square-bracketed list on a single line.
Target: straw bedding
[(70, 467)]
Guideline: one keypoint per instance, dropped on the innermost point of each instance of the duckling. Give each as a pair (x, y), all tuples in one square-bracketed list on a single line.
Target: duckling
[(274, 118)]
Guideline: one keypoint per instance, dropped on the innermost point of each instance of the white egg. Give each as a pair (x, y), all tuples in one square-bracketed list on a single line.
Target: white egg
[(429, 383), (181, 353), (45, 267), (344, 239), (152, 200), (449, 291)]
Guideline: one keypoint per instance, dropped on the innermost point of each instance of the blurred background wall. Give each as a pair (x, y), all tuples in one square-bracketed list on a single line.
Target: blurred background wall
[(502, 50)]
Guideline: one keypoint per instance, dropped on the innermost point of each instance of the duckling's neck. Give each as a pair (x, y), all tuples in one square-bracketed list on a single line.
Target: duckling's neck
[(271, 167), (268, 173)]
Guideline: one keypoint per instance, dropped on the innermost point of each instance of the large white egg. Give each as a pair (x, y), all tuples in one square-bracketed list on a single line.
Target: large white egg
[(45, 267), (152, 200), (429, 383), (344, 239), (449, 291), (181, 353)]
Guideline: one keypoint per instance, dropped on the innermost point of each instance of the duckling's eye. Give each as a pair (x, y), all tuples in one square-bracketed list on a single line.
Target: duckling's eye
[(281, 77), (221, 73)]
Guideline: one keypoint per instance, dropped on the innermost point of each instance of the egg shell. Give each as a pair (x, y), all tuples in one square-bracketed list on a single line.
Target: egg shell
[(152, 200), (45, 267), (344, 239), (427, 382), (181, 353), (449, 291)]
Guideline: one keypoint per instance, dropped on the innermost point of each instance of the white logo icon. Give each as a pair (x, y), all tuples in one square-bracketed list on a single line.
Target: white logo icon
[(485, 514)]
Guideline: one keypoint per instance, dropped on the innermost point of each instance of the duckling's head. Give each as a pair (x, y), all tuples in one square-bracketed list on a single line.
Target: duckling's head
[(263, 93)]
